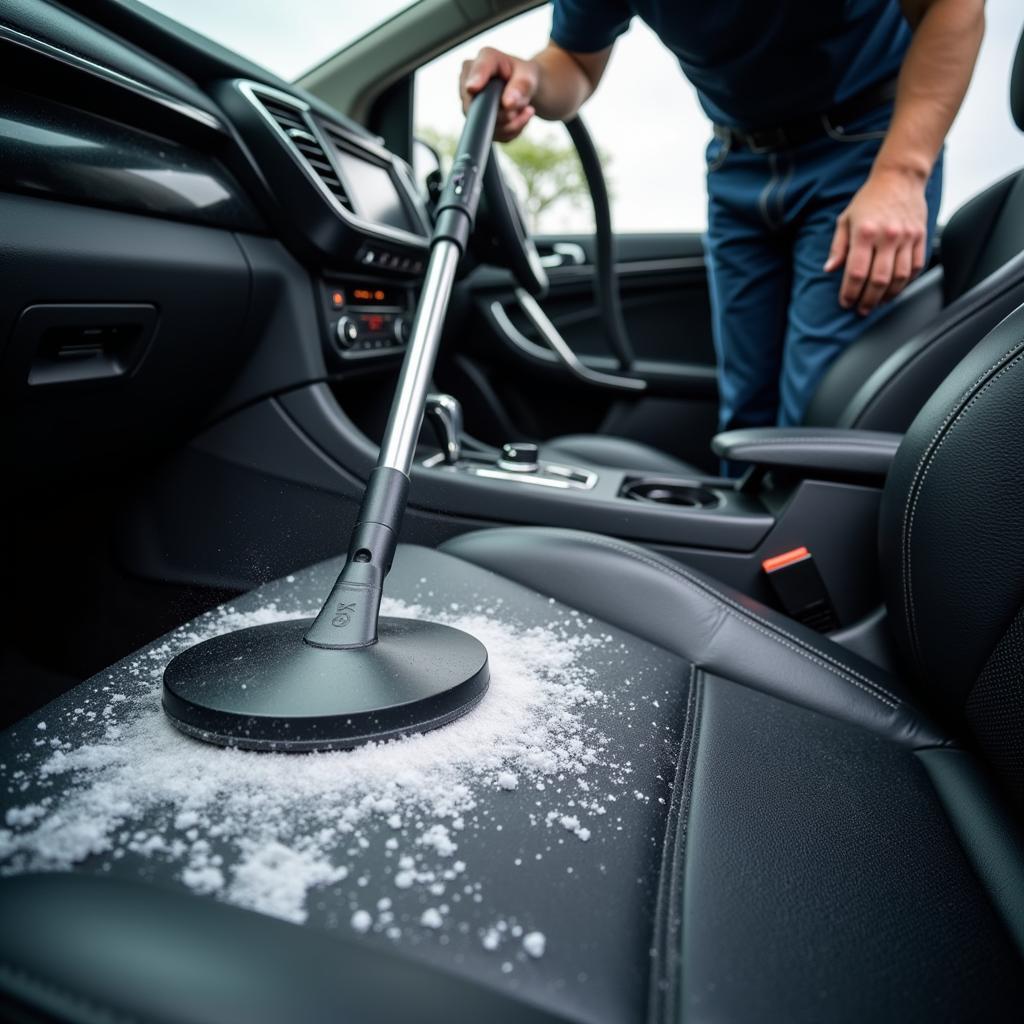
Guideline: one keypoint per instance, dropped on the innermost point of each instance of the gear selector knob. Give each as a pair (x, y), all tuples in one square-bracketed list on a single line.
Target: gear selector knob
[(445, 414), (519, 457)]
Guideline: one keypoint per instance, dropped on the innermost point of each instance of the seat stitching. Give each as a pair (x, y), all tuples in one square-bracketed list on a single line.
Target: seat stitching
[(844, 672), (904, 539), (744, 612), (926, 469)]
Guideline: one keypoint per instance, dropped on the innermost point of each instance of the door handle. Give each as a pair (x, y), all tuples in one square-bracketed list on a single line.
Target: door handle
[(564, 254)]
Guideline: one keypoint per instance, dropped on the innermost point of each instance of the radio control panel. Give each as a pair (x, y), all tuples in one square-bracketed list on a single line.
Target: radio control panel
[(366, 318)]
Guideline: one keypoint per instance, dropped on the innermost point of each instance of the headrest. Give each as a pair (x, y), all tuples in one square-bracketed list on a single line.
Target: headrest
[(1017, 85)]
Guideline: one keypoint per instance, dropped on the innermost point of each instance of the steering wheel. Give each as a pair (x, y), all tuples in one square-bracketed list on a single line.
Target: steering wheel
[(510, 241), (505, 240)]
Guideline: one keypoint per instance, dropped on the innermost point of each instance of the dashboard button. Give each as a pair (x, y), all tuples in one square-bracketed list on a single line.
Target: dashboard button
[(347, 332)]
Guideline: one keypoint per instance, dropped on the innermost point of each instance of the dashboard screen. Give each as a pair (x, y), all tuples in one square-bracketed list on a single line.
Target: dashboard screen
[(374, 195)]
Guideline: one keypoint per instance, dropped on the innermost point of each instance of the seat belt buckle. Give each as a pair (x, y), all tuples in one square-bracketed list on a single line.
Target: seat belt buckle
[(796, 582)]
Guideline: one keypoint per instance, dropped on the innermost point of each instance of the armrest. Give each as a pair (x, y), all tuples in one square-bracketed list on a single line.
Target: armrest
[(815, 449)]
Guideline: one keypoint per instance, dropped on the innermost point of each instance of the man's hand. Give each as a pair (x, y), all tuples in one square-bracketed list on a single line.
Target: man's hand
[(881, 238), (521, 78), (553, 85)]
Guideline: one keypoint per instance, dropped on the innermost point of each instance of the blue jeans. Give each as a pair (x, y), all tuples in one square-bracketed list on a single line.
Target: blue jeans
[(776, 316)]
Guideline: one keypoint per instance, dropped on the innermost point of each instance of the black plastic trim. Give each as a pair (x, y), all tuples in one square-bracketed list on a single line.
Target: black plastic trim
[(59, 74)]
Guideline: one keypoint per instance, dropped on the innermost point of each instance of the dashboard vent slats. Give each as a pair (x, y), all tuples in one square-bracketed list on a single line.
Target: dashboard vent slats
[(292, 122)]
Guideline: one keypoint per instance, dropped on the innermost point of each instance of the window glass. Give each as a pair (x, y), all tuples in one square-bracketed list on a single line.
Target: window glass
[(644, 118), (288, 38), (652, 132)]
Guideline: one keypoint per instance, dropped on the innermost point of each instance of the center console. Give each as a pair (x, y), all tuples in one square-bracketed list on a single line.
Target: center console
[(797, 528)]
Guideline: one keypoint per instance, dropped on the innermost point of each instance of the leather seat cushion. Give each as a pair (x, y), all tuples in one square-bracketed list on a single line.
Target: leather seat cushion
[(770, 846)]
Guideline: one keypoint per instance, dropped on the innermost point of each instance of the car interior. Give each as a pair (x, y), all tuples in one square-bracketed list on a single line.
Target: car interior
[(753, 747)]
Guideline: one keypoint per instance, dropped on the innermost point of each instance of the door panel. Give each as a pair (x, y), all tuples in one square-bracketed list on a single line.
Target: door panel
[(514, 379), (663, 287)]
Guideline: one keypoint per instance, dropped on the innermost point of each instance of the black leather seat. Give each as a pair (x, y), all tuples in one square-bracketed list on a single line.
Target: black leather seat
[(800, 836), (881, 382)]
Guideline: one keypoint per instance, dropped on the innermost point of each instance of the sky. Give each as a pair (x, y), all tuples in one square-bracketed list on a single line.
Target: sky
[(644, 115)]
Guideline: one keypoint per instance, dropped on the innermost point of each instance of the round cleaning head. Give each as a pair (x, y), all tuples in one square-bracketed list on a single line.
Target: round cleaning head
[(265, 688)]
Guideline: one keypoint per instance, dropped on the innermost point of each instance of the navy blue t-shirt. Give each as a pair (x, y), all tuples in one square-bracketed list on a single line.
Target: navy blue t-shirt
[(755, 63)]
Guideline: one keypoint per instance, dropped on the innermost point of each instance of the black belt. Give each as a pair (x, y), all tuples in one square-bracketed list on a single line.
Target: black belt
[(810, 126)]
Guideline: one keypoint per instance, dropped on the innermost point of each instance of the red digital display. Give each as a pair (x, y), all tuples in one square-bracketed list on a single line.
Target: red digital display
[(375, 324), (374, 297)]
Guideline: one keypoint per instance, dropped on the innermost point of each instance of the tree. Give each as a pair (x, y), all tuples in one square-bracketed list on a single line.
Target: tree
[(551, 173), (547, 172)]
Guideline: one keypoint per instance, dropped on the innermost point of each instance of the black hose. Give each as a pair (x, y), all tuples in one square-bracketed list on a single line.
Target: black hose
[(606, 282)]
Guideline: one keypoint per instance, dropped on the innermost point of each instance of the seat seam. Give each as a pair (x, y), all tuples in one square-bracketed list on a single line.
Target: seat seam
[(662, 971), (772, 631), (685, 803), (924, 467)]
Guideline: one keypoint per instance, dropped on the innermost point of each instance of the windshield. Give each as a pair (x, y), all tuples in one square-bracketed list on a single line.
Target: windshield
[(287, 38)]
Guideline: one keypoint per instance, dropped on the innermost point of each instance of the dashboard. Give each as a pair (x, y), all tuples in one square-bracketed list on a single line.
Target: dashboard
[(350, 204), (176, 243)]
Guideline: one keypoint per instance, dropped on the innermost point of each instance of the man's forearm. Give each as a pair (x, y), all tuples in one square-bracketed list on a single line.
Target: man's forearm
[(932, 83), (565, 81)]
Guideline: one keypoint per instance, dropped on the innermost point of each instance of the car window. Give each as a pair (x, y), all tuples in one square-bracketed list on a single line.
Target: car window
[(649, 128), (652, 132), (287, 38)]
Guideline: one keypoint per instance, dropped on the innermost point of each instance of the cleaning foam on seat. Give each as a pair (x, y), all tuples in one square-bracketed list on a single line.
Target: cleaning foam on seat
[(263, 831)]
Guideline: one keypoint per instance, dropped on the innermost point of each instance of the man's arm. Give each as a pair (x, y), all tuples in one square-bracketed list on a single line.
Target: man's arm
[(554, 85), (881, 235)]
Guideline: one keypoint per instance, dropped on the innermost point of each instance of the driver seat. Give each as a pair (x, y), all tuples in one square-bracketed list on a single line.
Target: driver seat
[(881, 381)]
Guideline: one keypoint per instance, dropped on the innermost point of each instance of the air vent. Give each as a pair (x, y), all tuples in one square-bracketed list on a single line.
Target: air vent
[(291, 121)]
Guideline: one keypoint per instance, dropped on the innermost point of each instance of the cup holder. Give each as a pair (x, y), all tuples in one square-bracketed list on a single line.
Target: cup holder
[(670, 492)]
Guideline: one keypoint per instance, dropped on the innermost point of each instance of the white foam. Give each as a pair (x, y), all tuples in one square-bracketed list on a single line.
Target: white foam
[(535, 943), (20, 817), (264, 830), (571, 823), (431, 918), (362, 921)]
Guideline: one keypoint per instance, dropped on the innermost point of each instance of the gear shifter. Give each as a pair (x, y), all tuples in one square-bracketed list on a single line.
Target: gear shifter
[(445, 414)]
